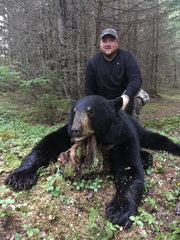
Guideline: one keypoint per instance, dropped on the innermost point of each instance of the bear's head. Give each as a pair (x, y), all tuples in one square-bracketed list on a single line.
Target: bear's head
[(92, 114)]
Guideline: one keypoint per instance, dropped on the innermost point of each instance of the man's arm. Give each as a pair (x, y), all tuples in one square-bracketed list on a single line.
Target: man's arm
[(133, 76), (90, 81)]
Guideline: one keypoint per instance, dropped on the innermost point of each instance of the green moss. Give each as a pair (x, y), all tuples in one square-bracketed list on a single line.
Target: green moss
[(79, 151), (95, 166), (97, 162), (11, 160), (68, 171)]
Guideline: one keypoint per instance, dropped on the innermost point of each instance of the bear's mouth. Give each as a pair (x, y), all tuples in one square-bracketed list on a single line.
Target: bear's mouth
[(82, 137)]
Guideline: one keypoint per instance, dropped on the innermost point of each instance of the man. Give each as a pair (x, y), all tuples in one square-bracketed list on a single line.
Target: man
[(114, 72)]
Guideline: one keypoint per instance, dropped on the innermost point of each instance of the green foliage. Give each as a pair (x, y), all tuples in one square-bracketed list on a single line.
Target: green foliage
[(150, 183), (3, 72), (174, 13), (5, 202), (45, 101), (31, 231), (34, 87), (46, 108), (52, 187), (8, 79), (95, 230), (92, 218), (144, 217), (165, 125), (26, 214), (3, 188), (66, 199), (160, 169), (18, 137), (50, 110), (31, 82), (88, 184), (170, 198), (110, 229), (173, 234), (151, 201), (18, 236)]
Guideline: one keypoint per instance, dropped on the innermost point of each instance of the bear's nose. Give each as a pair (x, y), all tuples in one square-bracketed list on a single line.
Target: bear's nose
[(75, 132)]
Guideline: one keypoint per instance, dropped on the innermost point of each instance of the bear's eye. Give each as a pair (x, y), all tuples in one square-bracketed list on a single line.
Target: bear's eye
[(88, 108), (90, 111)]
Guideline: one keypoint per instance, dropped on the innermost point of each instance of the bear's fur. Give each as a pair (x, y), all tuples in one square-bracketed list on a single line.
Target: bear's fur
[(111, 126)]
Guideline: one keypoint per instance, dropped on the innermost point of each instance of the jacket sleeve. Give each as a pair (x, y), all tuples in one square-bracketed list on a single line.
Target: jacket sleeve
[(90, 80), (133, 76)]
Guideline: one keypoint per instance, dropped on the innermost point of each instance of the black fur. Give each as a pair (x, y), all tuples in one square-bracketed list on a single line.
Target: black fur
[(110, 126)]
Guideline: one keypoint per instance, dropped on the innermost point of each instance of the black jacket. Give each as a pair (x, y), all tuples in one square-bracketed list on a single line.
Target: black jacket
[(111, 79)]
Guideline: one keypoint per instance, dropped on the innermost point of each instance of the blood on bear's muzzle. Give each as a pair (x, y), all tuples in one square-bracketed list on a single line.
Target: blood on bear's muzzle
[(81, 127)]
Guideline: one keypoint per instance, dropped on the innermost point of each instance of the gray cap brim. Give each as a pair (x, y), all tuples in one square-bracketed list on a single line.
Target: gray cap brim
[(109, 31)]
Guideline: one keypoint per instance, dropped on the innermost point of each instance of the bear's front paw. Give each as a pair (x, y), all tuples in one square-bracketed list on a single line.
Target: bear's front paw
[(21, 180), (118, 213)]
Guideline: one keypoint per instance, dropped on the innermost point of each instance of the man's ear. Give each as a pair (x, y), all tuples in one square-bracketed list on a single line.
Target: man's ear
[(73, 102), (117, 103)]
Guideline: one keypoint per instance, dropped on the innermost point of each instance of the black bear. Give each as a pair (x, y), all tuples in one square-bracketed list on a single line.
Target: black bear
[(111, 126)]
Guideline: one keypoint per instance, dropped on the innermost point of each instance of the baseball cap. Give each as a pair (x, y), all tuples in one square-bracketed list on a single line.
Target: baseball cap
[(109, 31)]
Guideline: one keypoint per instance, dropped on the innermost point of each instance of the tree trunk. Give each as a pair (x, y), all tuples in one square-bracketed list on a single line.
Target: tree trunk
[(82, 160)]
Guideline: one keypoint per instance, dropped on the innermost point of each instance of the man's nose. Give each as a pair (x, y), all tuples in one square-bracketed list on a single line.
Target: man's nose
[(108, 42)]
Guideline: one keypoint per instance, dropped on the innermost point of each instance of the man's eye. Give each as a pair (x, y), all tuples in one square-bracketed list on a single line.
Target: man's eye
[(108, 40)]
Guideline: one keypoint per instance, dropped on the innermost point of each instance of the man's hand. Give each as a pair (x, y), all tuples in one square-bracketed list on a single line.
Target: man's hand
[(125, 101)]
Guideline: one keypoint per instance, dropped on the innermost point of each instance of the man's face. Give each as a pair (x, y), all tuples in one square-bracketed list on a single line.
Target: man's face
[(109, 46)]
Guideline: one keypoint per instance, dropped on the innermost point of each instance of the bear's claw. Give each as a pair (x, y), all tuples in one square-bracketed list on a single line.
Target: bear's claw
[(118, 215), (21, 180)]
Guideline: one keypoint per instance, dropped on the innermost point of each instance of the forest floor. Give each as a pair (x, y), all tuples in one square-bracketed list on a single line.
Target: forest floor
[(62, 210)]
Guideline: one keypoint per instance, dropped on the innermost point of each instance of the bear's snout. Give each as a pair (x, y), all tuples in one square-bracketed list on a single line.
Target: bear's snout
[(81, 126), (75, 132)]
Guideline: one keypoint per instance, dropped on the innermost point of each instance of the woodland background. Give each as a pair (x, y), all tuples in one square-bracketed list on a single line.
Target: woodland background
[(45, 44)]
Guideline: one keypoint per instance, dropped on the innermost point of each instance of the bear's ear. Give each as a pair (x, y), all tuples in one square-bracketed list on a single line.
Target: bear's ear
[(117, 103), (73, 102)]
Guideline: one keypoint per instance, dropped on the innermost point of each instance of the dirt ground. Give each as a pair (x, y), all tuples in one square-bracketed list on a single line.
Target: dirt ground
[(161, 107)]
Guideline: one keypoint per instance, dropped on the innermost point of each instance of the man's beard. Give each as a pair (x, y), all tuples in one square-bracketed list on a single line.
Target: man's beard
[(110, 55)]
